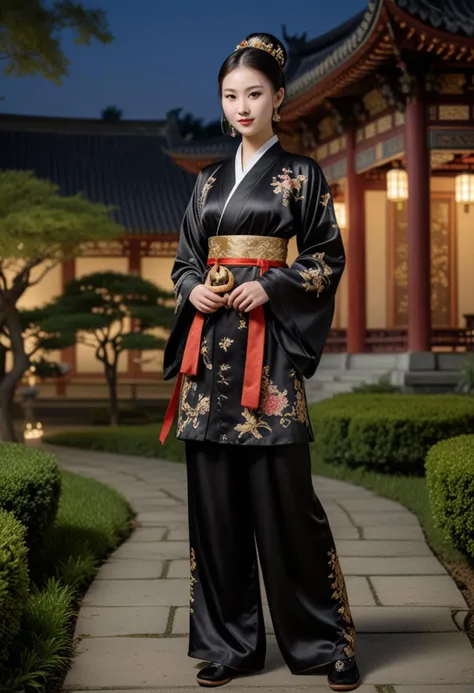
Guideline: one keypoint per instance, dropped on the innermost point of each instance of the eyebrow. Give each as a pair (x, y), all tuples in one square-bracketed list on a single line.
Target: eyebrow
[(255, 86)]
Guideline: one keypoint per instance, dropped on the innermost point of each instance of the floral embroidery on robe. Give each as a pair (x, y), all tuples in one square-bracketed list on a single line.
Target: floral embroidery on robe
[(205, 189), (316, 278), (225, 343), (205, 354), (189, 414), (340, 593), (193, 580), (325, 199), (284, 183), (273, 402), (178, 302)]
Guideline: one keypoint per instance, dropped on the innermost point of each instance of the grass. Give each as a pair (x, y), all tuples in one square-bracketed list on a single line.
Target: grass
[(92, 521), (410, 491)]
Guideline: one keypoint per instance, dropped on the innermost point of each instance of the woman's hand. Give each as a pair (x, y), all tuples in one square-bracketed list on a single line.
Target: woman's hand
[(206, 300), (247, 296)]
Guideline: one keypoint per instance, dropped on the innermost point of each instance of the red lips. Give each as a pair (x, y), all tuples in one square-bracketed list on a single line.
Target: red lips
[(245, 121)]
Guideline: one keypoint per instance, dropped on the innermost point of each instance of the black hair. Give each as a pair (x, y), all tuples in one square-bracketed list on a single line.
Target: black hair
[(257, 59)]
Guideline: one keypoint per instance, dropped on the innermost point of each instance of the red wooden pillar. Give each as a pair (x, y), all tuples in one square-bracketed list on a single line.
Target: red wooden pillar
[(355, 200), (134, 267), (418, 170), (68, 272)]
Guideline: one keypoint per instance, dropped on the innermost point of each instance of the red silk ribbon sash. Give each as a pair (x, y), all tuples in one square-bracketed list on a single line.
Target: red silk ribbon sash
[(254, 353)]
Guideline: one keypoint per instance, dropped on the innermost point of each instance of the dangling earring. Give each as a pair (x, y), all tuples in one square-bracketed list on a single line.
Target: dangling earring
[(230, 131), (276, 116)]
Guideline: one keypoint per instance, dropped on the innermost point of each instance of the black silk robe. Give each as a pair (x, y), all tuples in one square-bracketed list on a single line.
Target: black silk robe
[(283, 195)]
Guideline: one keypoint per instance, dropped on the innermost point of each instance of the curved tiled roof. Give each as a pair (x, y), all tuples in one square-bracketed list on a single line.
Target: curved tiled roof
[(453, 16), (130, 171), (311, 61), (322, 55), (220, 147)]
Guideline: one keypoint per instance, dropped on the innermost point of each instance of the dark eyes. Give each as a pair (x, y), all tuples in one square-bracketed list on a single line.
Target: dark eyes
[(253, 94)]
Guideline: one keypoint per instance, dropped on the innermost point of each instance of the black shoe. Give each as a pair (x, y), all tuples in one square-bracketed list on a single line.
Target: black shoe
[(215, 674), (344, 675)]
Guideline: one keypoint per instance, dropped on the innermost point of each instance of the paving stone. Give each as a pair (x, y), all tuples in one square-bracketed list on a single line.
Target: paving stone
[(369, 519), (376, 505), (149, 549), (367, 619), (422, 658), (148, 534), (163, 663), (179, 569), (402, 619), (408, 565), (138, 593), (130, 570), (121, 620), (366, 547), (295, 688), (161, 517), (418, 590), (347, 532), (451, 688), (397, 532), (359, 592), (181, 534)]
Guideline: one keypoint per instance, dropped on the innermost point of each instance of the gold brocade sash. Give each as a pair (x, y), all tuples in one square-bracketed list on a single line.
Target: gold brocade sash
[(262, 247)]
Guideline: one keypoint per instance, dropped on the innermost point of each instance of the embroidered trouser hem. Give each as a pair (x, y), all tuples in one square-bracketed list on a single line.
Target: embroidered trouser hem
[(262, 500)]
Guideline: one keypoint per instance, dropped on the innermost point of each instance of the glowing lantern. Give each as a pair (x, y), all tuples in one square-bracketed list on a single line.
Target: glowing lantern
[(340, 212), (397, 185), (465, 189)]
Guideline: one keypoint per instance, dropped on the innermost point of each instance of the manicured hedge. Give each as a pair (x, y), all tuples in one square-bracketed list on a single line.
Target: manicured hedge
[(13, 580), (388, 432), (450, 478), (126, 440), (30, 486)]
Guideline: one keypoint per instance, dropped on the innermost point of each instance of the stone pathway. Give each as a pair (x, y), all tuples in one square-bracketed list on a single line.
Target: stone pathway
[(134, 620)]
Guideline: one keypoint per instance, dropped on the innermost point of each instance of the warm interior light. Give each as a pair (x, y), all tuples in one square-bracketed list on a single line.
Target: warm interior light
[(397, 185), (340, 212), (465, 189)]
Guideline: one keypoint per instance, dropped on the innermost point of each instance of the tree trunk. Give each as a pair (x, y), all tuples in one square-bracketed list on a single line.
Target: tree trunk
[(10, 380), (114, 412), (7, 429)]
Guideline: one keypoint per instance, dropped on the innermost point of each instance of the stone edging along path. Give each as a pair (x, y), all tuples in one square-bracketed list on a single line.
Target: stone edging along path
[(133, 623)]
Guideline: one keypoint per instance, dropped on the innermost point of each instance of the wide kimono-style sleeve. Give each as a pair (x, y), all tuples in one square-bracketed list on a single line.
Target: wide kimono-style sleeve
[(302, 297), (188, 271)]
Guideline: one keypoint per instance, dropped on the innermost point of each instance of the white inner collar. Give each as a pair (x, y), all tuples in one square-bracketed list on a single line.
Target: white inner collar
[(239, 171)]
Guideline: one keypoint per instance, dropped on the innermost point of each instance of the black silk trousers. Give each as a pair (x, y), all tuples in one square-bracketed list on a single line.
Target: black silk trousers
[(261, 497)]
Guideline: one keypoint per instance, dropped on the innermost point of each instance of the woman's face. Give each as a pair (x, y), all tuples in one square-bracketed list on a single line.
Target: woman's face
[(248, 100)]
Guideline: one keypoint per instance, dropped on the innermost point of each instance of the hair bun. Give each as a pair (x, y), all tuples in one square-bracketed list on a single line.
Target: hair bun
[(268, 43)]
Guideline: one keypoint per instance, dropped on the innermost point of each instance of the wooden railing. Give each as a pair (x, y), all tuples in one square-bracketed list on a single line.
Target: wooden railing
[(396, 340)]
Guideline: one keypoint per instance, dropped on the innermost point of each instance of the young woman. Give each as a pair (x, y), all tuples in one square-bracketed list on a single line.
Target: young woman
[(247, 329)]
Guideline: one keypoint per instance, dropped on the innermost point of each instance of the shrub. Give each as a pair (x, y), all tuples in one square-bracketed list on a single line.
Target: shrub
[(30, 486), (382, 386), (129, 440), (128, 415), (13, 580), (388, 432), (450, 479)]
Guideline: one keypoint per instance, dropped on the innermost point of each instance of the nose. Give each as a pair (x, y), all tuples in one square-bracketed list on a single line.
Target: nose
[(243, 108)]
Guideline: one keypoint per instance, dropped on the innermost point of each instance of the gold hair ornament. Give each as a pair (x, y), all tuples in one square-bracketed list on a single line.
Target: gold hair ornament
[(255, 42)]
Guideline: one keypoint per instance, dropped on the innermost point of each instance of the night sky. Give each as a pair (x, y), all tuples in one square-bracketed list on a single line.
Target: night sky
[(165, 55)]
